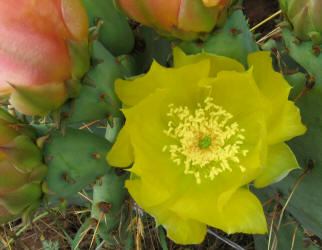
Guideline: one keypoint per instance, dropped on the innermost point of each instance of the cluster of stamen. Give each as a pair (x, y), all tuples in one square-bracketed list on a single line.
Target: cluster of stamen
[(207, 142)]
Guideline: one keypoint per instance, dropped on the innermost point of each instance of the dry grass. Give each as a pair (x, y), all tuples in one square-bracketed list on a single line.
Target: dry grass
[(55, 227)]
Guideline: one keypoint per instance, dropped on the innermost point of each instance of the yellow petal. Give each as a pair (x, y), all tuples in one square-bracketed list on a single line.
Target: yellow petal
[(179, 229), (280, 161), (217, 63), (283, 118), (146, 123), (121, 153), (285, 124), (272, 84), (236, 92), (242, 213), (255, 143), (159, 77), (146, 193)]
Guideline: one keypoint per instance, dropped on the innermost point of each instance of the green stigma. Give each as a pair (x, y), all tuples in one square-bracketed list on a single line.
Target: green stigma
[(205, 142)]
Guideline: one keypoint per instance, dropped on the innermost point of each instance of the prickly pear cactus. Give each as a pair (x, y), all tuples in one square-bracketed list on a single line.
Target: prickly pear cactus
[(110, 209), (234, 40), (87, 117), (289, 235), (22, 171), (187, 20), (114, 31), (149, 46), (305, 54), (45, 53), (305, 17), (75, 159), (98, 89)]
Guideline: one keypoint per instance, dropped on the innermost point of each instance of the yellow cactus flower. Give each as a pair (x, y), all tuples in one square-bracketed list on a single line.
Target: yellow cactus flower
[(198, 134)]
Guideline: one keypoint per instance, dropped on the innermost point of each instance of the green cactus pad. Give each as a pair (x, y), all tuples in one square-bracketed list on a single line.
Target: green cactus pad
[(111, 194), (285, 238), (115, 33), (234, 40), (303, 53), (98, 99), (285, 234), (75, 160), (150, 46)]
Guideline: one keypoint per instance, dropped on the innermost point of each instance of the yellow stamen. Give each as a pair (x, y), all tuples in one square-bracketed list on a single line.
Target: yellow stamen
[(208, 143)]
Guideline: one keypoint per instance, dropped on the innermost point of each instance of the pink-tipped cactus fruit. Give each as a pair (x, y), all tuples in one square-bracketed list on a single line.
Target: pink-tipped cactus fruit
[(43, 52), (184, 19)]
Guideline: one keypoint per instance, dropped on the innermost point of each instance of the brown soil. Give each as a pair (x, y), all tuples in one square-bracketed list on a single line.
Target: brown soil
[(48, 228), (52, 228), (259, 10)]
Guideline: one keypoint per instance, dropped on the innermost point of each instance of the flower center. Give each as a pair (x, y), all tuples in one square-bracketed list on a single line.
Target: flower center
[(207, 142)]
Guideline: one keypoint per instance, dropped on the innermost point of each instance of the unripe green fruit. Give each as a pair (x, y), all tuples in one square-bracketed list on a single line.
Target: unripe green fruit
[(306, 18), (21, 169)]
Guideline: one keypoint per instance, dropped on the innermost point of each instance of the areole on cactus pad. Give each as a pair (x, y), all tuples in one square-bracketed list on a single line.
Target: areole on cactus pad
[(44, 52), (184, 19)]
